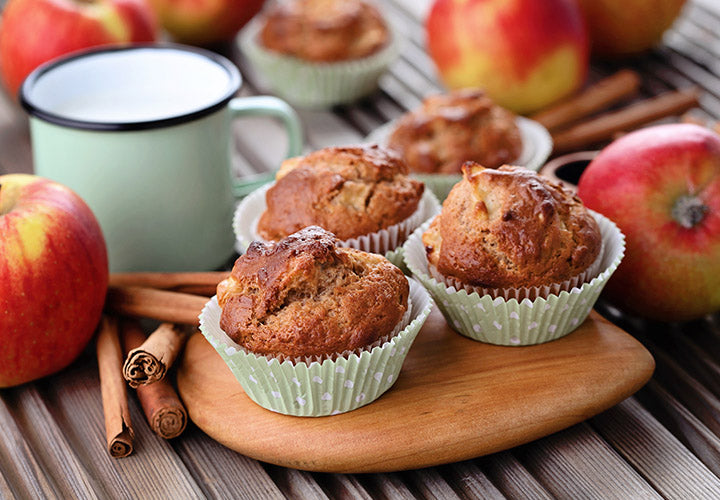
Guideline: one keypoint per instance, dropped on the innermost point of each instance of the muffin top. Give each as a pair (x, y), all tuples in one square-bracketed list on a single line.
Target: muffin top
[(350, 191), (324, 30), (305, 296), (510, 227), (449, 129)]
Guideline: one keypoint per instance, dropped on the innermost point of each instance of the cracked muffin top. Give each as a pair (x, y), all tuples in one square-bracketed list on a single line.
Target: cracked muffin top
[(305, 296), (449, 129), (350, 191), (324, 30), (511, 227)]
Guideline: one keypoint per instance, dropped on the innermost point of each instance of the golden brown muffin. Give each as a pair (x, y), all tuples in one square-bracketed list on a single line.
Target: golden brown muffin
[(350, 191), (449, 129), (305, 296), (511, 227), (324, 30)]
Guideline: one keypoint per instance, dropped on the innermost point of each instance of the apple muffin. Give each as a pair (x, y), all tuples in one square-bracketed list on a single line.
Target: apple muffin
[(449, 129), (305, 296), (324, 30), (349, 191), (510, 228)]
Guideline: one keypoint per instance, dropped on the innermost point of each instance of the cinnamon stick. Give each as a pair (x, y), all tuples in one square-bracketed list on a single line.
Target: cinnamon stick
[(118, 428), (606, 126), (162, 305), (160, 402), (199, 283), (148, 362), (595, 98)]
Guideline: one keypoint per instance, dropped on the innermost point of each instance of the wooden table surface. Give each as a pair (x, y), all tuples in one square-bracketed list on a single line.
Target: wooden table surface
[(663, 442)]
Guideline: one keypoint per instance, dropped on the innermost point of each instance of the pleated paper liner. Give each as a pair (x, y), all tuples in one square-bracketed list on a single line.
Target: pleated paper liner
[(319, 388), (501, 321), (317, 85), (386, 242), (536, 148)]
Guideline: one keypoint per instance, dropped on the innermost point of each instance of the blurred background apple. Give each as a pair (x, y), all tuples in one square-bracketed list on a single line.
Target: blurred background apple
[(526, 54), (204, 22), (36, 31), (622, 28)]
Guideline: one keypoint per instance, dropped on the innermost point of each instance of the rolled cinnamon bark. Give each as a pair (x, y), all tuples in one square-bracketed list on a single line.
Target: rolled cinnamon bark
[(148, 361), (199, 283), (596, 97), (118, 428), (160, 402), (162, 305)]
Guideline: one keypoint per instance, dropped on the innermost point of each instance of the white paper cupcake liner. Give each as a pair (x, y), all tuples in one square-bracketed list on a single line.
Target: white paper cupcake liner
[(386, 242), (318, 388), (537, 145), (501, 321), (312, 84)]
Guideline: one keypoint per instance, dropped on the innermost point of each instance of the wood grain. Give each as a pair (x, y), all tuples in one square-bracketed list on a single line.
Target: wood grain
[(460, 399)]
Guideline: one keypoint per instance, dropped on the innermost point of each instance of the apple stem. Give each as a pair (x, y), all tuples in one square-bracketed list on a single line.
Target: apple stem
[(689, 211)]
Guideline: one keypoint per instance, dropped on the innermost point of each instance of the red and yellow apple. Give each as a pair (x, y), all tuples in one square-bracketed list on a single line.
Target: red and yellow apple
[(53, 277), (36, 31), (526, 54), (661, 186), (621, 28), (204, 22)]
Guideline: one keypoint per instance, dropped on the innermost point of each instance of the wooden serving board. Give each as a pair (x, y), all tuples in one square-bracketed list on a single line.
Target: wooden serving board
[(455, 399)]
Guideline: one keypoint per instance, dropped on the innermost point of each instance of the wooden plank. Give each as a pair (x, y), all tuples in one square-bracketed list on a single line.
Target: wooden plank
[(154, 470), (682, 424), (296, 484), (471, 482), (222, 473), (654, 452), (388, 486), (18, 461), (429, 484), (512, 478), (580, 464), (62, 463), (343, 486)]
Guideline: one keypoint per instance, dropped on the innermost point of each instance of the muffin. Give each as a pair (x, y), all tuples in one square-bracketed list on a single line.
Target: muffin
[(511, 228), (324, 30), (350, 191), (320, 53), (309, 328), (513, 258), (305, 296), (449, 129)]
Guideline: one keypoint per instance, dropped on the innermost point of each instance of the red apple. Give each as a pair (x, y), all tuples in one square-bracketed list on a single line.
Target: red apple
[(526, 54), (204, 22), (35, 31), (661, 186), (621, 28), (53, 277)]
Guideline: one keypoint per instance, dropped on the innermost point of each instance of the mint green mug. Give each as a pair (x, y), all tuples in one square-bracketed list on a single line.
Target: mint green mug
[(142, 134)]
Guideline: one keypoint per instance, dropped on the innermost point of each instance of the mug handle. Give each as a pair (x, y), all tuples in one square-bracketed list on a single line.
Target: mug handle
[(266, 105)]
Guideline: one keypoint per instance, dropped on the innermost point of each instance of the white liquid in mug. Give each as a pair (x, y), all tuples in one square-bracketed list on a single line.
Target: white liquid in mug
[(131, 86)]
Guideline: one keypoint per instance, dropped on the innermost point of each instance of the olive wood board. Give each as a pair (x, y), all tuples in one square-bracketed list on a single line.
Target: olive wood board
[(455, 399)]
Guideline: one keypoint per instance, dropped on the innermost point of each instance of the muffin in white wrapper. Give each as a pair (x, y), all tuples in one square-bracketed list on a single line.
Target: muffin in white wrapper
[(537, 145), (317, 85), (386, 242), (507, 321), (321, 387)]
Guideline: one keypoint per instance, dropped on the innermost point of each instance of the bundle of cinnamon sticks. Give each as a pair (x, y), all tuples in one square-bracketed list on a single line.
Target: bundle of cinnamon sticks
[(127, 356), (572, 130)]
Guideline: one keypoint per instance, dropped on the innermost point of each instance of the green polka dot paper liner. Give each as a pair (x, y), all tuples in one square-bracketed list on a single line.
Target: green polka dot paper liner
[(500, 321), (316, 85), (387, 242), (318, 388), (537, 145)]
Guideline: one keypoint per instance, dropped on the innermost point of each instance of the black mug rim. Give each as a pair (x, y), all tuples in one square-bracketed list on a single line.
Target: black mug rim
[(234, 82)]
